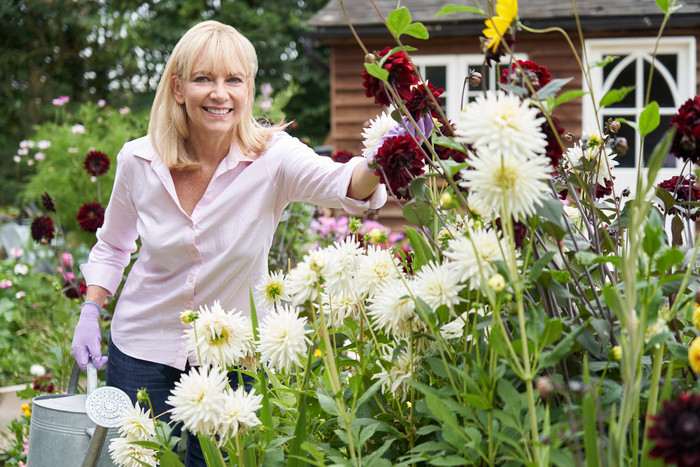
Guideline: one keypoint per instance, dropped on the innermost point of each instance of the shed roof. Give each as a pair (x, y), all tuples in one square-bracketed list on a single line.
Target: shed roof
[(594, 15)]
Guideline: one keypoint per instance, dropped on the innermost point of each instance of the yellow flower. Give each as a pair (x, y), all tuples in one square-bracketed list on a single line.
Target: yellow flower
[(696, 316), (317, 352), (496, 26), (694, 355), (26, 409)]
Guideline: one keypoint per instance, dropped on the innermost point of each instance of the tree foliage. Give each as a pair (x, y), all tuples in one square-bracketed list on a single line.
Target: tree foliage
[(116, 50)]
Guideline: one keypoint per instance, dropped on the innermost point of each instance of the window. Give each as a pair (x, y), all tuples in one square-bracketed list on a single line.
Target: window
[(449, 72), (673, 82)]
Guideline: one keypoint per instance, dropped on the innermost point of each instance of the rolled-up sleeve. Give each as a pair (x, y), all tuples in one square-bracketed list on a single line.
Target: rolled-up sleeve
[(116, 239), (302, 175)]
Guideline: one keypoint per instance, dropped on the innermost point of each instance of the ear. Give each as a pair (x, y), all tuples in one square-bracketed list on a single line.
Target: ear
[(177, 91)]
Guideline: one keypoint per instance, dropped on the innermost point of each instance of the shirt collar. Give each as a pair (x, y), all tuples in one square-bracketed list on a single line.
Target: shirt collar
[(233, 158)]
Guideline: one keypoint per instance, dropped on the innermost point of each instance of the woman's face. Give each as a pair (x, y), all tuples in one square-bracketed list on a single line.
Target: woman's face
[(214, 101)]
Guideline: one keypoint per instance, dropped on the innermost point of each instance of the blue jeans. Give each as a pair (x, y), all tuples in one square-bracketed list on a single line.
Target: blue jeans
[(131, 374)]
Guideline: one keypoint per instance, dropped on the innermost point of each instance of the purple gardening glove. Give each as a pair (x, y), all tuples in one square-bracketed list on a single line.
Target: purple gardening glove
[(87, 338)]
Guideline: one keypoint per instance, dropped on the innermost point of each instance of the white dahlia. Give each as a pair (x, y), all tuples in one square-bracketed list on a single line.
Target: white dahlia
[(198, 399), (507, 183), (374, 134), (342, 259), (500, 124), (474, 255), (376, 269), (135, 423), (218, 336), (239, 413), (126, 454), (282, 338), (438, 284), (274, 288), (392, 310)]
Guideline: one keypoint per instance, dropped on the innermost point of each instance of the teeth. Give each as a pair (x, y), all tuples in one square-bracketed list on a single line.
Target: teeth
[(217, 111)]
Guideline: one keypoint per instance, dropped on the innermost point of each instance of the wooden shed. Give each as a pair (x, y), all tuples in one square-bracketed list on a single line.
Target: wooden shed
[(625, 29)]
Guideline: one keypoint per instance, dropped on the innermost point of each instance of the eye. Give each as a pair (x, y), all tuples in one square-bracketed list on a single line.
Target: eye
[(200, 79), (235, 80)]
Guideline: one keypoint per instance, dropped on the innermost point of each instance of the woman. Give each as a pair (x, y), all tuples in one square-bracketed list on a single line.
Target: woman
[(203, 192)]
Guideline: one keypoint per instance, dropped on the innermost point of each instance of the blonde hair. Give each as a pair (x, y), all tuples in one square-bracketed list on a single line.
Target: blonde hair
[(225, 47)]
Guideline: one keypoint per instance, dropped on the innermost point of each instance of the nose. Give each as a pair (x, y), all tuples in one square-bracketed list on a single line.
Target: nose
[(218, 90)]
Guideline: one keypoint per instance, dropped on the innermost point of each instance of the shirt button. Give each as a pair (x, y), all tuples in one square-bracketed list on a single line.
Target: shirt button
[(190, 279)]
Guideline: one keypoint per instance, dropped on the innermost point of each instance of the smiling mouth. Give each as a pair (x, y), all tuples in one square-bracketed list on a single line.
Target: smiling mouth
[(217, 111)]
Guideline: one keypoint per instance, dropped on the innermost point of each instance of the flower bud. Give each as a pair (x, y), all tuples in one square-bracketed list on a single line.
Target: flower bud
[(614, 126), (616, 353), (545, 387), (446, 200), (376, 235), (474, 78), (189, 316), (142, 396), (497, 282), (620, 146)]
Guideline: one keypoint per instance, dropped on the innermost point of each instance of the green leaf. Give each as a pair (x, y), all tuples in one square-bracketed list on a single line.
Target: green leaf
[(451, 9), (552, 332), (170, 459), (212, 455), (590, 428), (449, 142), (367, 395), (398, 20), (539, 265), (421, 249), (553, 356), (552, 88), (377, 71), (327, 403), (417, 188), (606, 61), (417, 30), (658, 155), (667, 259), (679, 352), (417, 212), (649, 119), (666, 197), (568, 96), (663, 4), (448, 461), (615, 95)]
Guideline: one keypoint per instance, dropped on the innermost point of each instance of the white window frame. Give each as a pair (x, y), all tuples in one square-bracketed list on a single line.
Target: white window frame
[(682, 88), (456, 71)]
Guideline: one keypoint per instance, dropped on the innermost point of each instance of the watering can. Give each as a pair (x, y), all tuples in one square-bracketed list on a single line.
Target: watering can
[(68, 430)]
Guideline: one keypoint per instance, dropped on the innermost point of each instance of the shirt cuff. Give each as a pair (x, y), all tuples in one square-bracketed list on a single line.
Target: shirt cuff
[(353, 206), (105, 277)]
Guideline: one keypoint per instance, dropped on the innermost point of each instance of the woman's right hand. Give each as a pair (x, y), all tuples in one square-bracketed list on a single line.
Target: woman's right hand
[(87, 338)]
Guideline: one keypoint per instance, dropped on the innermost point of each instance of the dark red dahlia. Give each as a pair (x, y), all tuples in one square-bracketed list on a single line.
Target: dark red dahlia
[(91, 216), (495, 56), (398, 161), (684, 190), (42, 229), (70, 289), (537, 75), (421, 103), (676, 431), (554, 149), (44, 384), (519, 232), (47, 202), (601, 191), (96, 163), (401, 77), (342, 156), (686, 142)]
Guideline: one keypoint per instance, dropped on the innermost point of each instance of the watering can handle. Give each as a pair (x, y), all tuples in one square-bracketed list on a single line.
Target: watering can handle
[(75, 377)]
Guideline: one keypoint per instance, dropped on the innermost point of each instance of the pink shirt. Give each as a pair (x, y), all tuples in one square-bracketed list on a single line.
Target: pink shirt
[(217, 253)]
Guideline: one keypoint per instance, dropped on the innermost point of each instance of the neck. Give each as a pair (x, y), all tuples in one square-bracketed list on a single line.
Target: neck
[(209, 151)]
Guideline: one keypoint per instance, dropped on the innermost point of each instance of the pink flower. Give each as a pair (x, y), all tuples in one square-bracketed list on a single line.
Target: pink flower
[(30, 161), (5, 284), (43, 144), (21, 269), (20, 294), (67, 259), (101, 103), (16, 252), (78, 129), (16, 159), (124, 110), (40, 156)]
